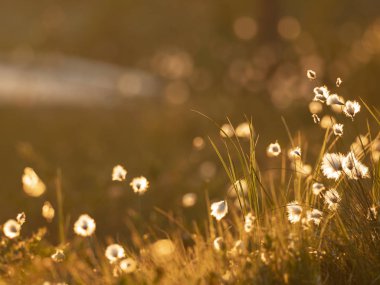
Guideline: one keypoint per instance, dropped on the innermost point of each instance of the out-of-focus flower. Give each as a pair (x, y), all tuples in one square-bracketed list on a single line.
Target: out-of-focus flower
[(351, 108), (219, 209), (327, 122), (162, 250), (240, 187), (32, 184), (294, 211), (332, 199), (243, 130), (140, 185), (114, 252), (11, 229), (274, 149), (48, 211), (119, 173), (128, 265), (332, 165), (338, 129), (295, 153), (227, 131), (198, 143), (189, 200), (85, 226)]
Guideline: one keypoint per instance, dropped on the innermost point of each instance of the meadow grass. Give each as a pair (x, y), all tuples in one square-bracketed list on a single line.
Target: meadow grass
[(291, 224)]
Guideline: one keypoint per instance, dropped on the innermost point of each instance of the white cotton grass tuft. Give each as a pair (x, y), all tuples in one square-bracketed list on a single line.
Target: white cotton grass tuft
[(321, 94), (85, 226), (334, 99), (227, 131), (139, 185), (338, 129), (353, 168), (11, 229), (21, 218), (332, 165), (338, 82), (128, 265), (294, 211), (219, 244), (114, 252), (219, 209), (274, 149), (314, 216), (311, 74), (317, 188), (249, 219), (295, 153), (332, 199), (119, 173), (351, 108), (48, 211), (243, 130), (32, 184)]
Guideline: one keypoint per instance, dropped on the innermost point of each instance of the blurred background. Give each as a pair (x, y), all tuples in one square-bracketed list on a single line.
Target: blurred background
[(86, 85)]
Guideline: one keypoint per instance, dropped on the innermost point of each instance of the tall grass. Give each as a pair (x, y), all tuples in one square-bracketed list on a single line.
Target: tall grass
[(284, 245)]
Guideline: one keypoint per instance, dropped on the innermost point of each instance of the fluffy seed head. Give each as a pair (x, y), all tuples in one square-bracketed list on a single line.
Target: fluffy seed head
[(351, 108), (321, 93), (318, 188), (48, 211), (332, 199), (85, 226), (332, 165), (119, 173), (219, 209), (295, 153), (338, 82), (114, 252), (128, 265), (140, 185), (294, 211), (274, 149), (311, 74), (338, 129), (353, 168), (32, 184), (314, 216), (11, 229)]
